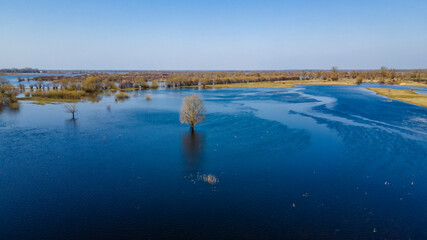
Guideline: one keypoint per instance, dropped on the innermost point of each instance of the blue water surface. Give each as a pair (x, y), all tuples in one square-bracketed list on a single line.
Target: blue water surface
[(310, 162)]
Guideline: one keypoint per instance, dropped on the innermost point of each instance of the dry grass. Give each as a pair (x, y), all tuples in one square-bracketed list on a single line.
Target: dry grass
[(43, 101), (55, 96), (413, 84), (403, 95), (59, 94)]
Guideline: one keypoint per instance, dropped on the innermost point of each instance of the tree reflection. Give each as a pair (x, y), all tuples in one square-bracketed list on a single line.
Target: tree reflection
[(192, 143), (95, 98), (71, 123)]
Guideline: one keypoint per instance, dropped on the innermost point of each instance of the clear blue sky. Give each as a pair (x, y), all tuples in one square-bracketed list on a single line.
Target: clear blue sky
[(213, 34)]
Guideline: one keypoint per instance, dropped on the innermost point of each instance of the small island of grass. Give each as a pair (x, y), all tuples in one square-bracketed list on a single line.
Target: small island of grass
[(409, 96)]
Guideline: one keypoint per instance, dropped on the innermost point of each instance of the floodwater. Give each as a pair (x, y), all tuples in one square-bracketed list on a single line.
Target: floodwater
[(310, 162)]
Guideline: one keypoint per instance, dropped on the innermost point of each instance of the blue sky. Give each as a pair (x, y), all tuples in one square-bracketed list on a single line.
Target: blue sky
[(213, 34)]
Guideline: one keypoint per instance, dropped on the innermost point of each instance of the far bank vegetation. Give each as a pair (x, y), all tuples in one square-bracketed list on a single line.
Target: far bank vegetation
[(92, 86)]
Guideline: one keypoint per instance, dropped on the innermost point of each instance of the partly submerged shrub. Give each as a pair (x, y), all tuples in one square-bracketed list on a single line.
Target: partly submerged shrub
[(144, 85), (359, 80), (14, 105), (154, 85), (148, 97), (8, 93), (121, 96)]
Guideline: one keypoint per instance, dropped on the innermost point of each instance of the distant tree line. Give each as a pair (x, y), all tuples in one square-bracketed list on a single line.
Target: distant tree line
[(95, 82), (20, 70)]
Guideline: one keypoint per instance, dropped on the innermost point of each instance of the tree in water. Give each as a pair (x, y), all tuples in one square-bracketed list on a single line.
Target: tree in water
[(359, 80), (193, 111), (8, 94), (71, 108)]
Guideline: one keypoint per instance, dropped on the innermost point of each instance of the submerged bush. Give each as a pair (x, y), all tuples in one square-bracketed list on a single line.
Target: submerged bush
[(154, 85), (121, 96), (144, 85), (14, 105), (8, 95), (148, 97), (359, 80)]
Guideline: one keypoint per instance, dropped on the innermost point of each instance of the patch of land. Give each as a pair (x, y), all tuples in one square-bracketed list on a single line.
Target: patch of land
[(69, 96), (293, 83), (413, 84), (43, 101), (409, 96)]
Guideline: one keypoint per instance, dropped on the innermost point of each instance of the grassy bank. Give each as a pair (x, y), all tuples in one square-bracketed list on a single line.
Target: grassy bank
[(43, 101), (57, 96), (402, 95), (413, 84), (293, 83), (71, 96)]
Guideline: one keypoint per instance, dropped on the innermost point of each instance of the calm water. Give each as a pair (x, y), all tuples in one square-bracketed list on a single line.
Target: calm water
[(315, 162)]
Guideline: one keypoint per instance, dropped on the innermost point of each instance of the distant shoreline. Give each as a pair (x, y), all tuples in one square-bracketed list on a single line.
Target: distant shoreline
[(293, 83), (281, 84), (11, 74)]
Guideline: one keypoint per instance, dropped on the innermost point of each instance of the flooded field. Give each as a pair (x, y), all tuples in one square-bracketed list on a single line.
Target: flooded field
[(310, 162)]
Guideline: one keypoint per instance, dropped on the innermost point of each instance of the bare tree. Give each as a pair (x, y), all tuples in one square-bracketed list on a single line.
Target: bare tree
[(192, 111), (71, 108), (334, 74)]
